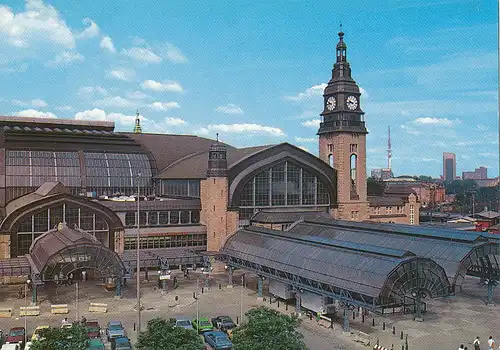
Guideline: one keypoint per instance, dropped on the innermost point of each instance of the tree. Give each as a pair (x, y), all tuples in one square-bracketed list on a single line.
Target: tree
[(162, 334), (268, 329), (74, 338)]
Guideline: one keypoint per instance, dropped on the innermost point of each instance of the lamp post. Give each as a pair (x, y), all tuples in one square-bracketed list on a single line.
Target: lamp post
[(241, 301), (197, 303), (28, 281), (76, 291), (138, 268)]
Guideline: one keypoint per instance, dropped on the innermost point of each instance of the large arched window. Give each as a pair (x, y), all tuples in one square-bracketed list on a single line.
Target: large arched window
[(284, 185), (35, 225)]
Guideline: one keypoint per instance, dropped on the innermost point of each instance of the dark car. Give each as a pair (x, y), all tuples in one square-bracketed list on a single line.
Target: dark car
[(122, 343), (93, 329), (223, 322), (16, 335), (218, 340)]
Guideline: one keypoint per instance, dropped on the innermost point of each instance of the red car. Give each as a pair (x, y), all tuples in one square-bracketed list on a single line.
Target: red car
[(93, 329), (16, 335)]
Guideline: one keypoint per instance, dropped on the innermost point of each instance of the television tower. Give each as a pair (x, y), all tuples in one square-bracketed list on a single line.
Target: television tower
[(389, 150)]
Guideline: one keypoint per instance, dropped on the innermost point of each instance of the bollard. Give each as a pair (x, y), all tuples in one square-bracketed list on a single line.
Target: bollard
[(373, 322), (401, 335), (383, 326), (363, 318), (402, 347), (310, 316), (176, 298), (134, 326), (394, 330), (377, 342), (270, 301), (220, 286), (201, 290), (278, 303), (353, 315), (286, 308), (331, 323), (237, 320)]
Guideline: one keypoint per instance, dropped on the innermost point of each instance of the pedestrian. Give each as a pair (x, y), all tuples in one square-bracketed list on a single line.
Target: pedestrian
[(65, 321), (491, 343), (476, 343), (461, 347), (70, 278), (84, 321), (84, 276), (186, 273)]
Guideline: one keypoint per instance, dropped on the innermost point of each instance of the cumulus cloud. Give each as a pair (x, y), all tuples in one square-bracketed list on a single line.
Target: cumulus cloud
[(115, 101), (313, 123), (305, 139), (164, 106), (66, 57), (122, 74), (175, 121), (433, 121), (410, 130), (245, 129), (107, 44), (33, 113), (167, 85), (174, 54), (89, 91), (137, 95), (100, 115), (315, 90), (91, 31), (33, 103), (142, 54), (37, 24), (229, 109)]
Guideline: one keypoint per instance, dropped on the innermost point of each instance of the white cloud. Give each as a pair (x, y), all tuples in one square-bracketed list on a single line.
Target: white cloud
[(64, 108), (37, 24), (305, 139), (142, 54), (33, 113), (66, 57), (164, 106), (99, 114), (174, 54), (315, 90), (313, 123), (304, 149), (229, 109), (34, 103), (364, 93), (115, 101), (91, 31), (410, 130), (433, 121), (245, 128), (175, 121), (89, 91), (122, 74), (107, 43), (137, 95), (168, 85)]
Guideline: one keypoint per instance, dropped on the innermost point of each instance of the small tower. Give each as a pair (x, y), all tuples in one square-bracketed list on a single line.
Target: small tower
[(214, 196), (137, 127), (342, 138)]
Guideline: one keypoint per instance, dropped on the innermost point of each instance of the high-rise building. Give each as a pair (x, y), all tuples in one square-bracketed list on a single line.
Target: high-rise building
[(449, 166), (480, 173)]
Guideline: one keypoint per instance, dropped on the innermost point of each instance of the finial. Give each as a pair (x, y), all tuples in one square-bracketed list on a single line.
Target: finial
[(137, 113), (217, 137)]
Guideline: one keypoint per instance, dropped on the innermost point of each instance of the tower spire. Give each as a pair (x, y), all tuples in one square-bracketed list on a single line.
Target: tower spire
[(389, 149), (341, 47), (137, 127)]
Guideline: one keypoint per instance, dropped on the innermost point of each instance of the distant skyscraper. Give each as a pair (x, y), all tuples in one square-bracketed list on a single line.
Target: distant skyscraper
[(449, 166)]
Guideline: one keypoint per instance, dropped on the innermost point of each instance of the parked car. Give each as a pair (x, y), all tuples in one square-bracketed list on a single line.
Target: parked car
[(202, 325), (11, 346), (183, 322), (16, 335), (115, 330), (122, 343), (93, 329), (218, 340), (95, 344), (223, 323), (36, 333)]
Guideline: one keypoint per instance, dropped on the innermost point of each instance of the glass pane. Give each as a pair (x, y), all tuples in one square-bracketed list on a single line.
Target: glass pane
[(184, 217), (262, 189), (293, 184), (278, 185), (195, 216), (174, 217)]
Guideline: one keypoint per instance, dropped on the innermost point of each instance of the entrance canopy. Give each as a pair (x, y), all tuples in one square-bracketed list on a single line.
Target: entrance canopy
[(59, 252)]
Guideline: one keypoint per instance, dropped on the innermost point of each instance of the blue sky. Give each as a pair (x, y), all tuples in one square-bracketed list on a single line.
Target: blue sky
[(252, 70)]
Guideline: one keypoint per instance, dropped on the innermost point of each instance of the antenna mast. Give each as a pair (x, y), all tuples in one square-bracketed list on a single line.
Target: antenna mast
[(389, 150)]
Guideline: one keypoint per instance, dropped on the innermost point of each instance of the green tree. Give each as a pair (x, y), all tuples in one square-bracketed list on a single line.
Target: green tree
[(162, 334), (268, 329), (74, 338), (424, 178)]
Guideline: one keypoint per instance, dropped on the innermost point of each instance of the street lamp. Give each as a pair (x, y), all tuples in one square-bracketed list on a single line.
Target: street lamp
[(138, 267), (241, 300), (28, 281)]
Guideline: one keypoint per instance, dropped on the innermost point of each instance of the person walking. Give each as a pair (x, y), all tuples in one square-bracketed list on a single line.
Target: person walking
[(461, 347), (84, 276), (491, 343), (65, 321), (476, 343)]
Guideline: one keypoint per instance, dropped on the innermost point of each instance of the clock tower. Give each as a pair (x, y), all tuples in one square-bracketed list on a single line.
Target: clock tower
[(342, 138)]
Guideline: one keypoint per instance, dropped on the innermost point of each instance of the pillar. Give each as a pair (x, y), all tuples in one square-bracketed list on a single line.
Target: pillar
[(346, 320), (259, 286), (118, 290), (33, 294), (297, 303)]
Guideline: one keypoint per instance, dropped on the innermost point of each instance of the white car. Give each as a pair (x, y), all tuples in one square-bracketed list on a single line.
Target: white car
[(11, 346)]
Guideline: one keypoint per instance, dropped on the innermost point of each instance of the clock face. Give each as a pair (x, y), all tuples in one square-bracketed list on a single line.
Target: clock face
[(352, 103), (331, 103)]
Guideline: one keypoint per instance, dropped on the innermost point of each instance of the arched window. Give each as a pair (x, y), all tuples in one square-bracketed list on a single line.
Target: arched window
[(354, 166), (330, 160), (284, 185)]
